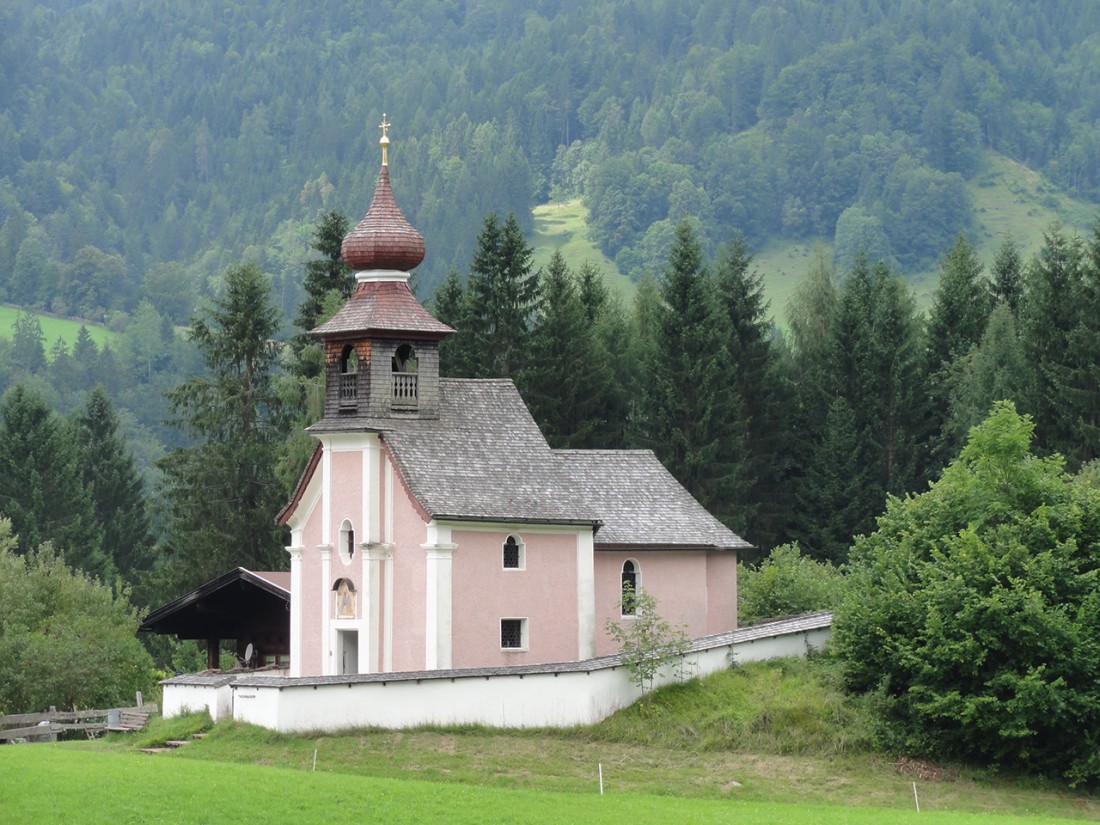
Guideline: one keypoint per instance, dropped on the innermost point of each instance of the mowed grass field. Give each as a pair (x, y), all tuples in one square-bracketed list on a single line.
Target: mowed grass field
[(58, 784), (54, 328)]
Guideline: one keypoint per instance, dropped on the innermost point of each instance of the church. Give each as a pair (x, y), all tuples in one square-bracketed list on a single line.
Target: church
[(434, 527), (446, 565)]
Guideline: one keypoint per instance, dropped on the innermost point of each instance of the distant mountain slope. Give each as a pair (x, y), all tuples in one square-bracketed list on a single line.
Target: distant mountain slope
[(142, 136)]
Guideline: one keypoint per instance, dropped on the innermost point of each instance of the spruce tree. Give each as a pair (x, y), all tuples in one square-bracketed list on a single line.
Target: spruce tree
[(116, 489), (877, 366), (222, 493), (691, 414), (811, 319), (1007, 283), (451, 307), (1049, 315), (831, 491), (959, 314), (1077, 378), (762, 387), (568, 379), (325, 274), (995, 370), (502, 291), (40, 484)]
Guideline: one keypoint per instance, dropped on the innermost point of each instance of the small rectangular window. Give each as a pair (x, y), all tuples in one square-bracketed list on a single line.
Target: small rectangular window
[(512, 635)]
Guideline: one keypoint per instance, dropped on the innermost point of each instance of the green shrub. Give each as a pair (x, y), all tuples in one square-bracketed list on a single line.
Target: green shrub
[(787, 583), (974, 610)]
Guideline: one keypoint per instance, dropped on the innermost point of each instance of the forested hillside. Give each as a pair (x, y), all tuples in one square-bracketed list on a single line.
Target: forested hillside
[(148, 146)]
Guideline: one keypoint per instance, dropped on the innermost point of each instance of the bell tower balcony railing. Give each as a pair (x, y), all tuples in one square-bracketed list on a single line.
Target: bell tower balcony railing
[(349, 390), (404, 390)]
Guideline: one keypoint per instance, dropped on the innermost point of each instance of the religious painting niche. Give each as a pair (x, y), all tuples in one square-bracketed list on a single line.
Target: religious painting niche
[(345, 599)]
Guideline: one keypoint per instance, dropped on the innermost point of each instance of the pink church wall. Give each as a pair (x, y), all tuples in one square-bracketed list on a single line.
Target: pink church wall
[(347, 496), (721, 592), (483, 592), (311, 653), (681, 581), (409, 577)]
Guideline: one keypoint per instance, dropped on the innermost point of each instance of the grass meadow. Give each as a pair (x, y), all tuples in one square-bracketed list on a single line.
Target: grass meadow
[(54, 328), (1010, 201), (761, 743), (52, 783), (564, 227)]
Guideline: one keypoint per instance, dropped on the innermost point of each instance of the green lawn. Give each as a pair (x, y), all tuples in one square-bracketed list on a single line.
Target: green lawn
[(62, 784), (776, 742), (54, 328)]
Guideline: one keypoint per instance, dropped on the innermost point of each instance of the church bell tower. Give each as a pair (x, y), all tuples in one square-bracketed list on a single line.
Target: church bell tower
[(382, 347)]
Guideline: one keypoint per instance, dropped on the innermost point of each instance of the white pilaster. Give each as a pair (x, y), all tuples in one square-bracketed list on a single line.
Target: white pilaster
[(387, 622), (586, 595), (297, 599), (327, 633), (437, 618), (375, 560), (326, 492), (372, 496)]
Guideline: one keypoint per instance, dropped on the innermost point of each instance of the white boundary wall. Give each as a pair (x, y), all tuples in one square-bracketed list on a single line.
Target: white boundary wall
[(559, 695)]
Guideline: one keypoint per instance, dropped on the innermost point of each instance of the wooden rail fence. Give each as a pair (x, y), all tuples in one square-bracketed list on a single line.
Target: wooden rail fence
[(46, 726)]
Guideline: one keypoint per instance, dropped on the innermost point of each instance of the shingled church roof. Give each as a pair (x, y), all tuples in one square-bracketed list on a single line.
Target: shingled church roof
[(484, 459), (640, 502)]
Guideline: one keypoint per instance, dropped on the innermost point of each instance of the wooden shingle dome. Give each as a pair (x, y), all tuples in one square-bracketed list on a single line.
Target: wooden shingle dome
[(384, 239)]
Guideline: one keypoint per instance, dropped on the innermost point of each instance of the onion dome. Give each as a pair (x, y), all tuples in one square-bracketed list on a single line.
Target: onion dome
[(384, 239)]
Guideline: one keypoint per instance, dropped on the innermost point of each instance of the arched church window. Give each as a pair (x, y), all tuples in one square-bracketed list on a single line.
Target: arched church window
[(513, 554), (631, 580), (347, 541)]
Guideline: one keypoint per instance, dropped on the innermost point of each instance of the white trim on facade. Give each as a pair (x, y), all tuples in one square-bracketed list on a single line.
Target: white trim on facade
[(295, 554), (586, 595)]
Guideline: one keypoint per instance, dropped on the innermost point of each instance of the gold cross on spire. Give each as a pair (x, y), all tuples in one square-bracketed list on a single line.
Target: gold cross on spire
[(385, 141)]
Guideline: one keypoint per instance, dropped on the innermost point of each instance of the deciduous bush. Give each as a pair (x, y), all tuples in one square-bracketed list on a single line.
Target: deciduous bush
[(786, 583), (974, 610), (65, 639)]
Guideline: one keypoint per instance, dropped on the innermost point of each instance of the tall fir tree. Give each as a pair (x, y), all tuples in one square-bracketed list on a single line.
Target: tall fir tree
[(692, 416), (116, 489), (995, 370), (830, 496), (28, 350), (876, 355), (451, 306), (1049, 314), (763, 389), (222, 493), (1006, 286), (811, 320), (40, 484), (501, 296), (956, 321), (325, 274), (567, 382), (1077, 378)]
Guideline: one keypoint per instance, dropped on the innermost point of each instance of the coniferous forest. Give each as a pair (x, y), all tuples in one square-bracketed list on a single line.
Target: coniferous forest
[(183, 174)]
